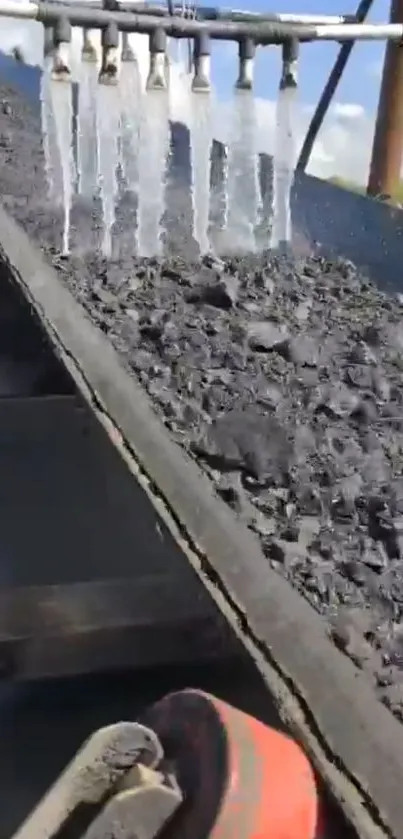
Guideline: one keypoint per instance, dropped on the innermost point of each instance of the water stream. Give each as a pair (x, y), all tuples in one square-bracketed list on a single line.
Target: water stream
[(284, 167), (242, 173), (49, 138), (108, 121), (153, 155), (88, 141), (129, 127), (131, 94), (200, 148), (61, 98)]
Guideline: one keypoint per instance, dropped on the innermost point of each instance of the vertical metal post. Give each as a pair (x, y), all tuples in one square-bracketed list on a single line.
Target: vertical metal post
[(387, 150)]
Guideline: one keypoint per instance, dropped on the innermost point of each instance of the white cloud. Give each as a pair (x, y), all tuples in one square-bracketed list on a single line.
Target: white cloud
[(344, 144), (348, 111)]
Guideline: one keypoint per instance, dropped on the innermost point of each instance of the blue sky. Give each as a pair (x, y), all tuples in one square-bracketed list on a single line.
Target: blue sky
[(360, 84)]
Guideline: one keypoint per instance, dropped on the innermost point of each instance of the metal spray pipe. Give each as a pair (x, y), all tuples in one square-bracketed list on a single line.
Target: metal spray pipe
[(88, 51), (61, 71), (157, 76), (110, 63), (201, 82), (48, 41), (246, 52), (289, 73), (228, 30), (127, 52), (206, 13)]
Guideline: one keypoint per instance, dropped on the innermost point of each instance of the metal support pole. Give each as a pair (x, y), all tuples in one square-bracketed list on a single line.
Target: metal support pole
[(387, 151)]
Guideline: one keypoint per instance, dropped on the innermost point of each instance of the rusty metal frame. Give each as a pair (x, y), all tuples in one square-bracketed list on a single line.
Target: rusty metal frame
[(387, 151)]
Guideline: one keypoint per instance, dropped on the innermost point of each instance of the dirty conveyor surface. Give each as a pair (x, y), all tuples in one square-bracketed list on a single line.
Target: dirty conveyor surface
[(282, 377)]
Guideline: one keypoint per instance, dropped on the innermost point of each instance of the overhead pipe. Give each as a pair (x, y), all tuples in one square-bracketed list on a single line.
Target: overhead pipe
[(61, 70), (201, 82), (157, 76), (127, 52), (48, 41), (187, 10), (206, 13), (108, 73), (261, 17), (88, 51), (357, 32), (262, 33), (246, 54), (289, 71), (387, 150)]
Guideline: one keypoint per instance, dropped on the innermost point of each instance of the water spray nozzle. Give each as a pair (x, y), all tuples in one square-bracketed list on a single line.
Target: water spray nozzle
[(61, 71), (201, 82), (108, 73), (246, 52), (127, 52), (157, 76), (48, 41), (289, 74), (88, 52)]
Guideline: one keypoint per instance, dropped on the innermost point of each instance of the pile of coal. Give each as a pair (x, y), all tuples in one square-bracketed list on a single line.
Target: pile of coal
[(283, 377)]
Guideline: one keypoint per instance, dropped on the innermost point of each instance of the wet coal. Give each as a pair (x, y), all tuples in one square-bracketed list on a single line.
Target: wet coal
[(283, 378)]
